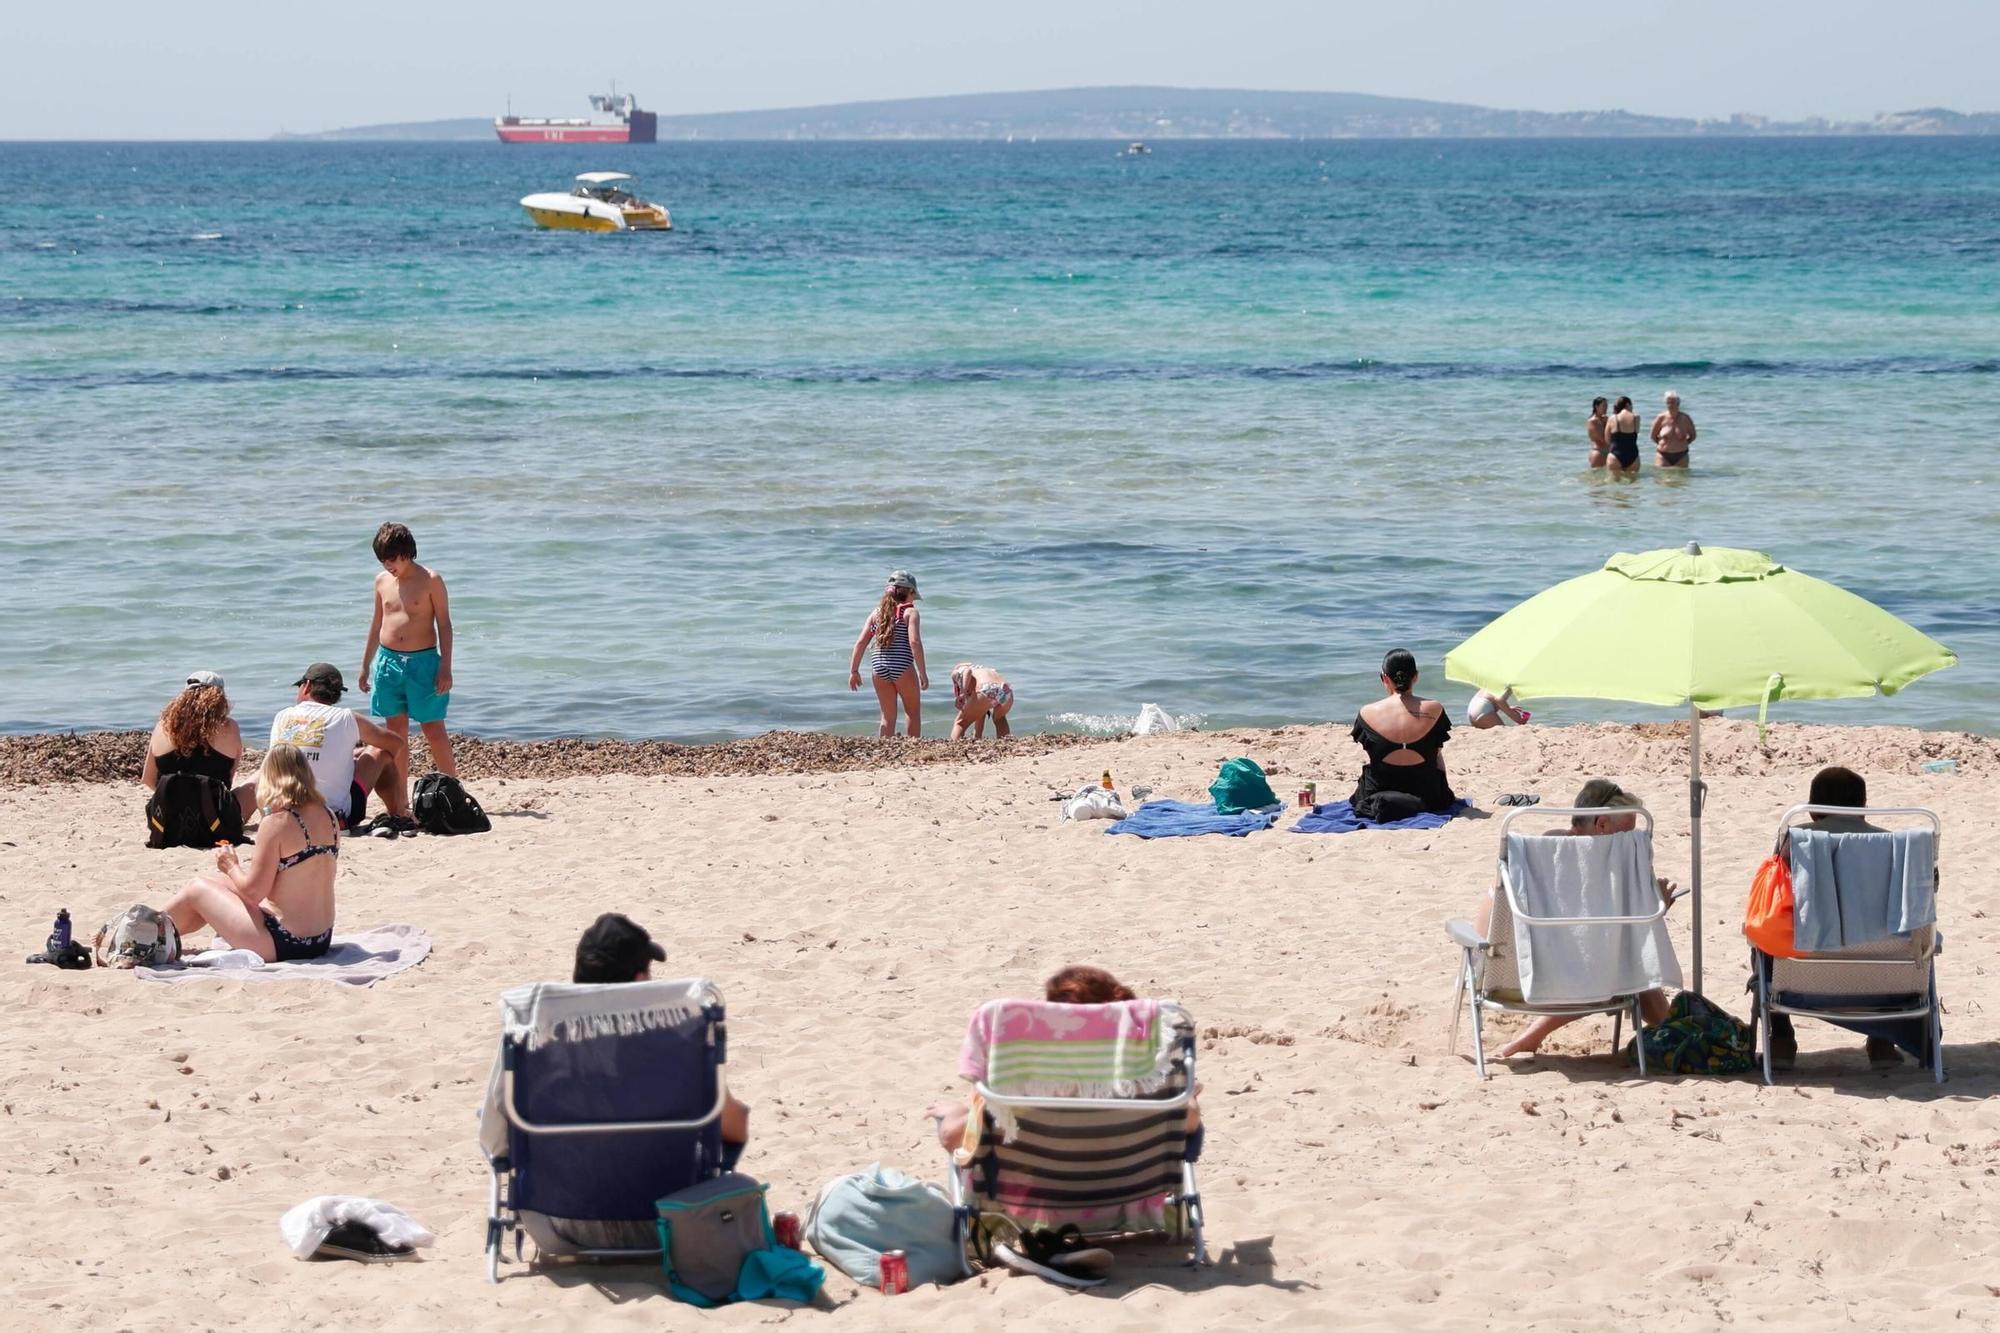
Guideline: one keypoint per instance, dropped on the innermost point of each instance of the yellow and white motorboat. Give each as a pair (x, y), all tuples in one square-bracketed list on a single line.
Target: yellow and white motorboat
[(601, 201)]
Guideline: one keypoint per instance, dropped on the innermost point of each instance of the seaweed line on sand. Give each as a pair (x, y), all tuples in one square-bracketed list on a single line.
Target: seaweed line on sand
[(118, 756)]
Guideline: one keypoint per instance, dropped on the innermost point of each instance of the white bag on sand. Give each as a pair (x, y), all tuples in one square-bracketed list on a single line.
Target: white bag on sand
[(1153, 718), (1093, 802)]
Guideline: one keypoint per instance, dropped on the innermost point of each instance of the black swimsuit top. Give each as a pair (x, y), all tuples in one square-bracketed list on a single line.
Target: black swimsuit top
[(1379, 747), (205, 762), (1425, 781)]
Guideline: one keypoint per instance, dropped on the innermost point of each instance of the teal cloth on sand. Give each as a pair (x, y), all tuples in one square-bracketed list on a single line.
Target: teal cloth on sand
[(1241, 785), (779, 1273)]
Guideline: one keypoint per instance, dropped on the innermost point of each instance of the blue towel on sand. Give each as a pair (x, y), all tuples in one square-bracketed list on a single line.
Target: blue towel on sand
[(1184, 819), (1339, 817)]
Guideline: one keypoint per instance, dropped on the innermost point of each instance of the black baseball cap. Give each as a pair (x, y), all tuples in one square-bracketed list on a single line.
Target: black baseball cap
[(615, 948), (324, 675)]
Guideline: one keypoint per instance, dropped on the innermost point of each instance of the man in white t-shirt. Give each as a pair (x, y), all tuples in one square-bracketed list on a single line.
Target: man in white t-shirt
[(350, 755)]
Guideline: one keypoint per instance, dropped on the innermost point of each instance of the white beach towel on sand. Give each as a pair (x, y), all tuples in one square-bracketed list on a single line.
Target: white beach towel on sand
[(1604, 875), (360, 958)]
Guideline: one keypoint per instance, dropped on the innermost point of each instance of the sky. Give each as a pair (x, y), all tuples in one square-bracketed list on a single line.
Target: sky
[(225, 69)]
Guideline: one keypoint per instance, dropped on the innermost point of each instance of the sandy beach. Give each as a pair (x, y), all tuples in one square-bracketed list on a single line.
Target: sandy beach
[(1356, 1174)]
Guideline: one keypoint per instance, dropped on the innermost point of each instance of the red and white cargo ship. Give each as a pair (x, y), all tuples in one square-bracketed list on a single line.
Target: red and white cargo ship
[(618, 120)]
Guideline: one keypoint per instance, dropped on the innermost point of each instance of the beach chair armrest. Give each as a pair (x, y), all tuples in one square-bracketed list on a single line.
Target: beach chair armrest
[(1465, 936)]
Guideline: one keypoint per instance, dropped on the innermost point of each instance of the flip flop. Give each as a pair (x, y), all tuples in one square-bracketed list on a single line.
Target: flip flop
[(1519, 798), (1021, 1263)]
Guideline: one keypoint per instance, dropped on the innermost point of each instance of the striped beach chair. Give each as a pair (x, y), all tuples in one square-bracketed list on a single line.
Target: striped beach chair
[(1075, 1127)]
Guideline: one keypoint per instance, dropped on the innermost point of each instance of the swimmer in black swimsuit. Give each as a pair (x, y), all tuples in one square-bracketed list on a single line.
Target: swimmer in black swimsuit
[(1624, 436)]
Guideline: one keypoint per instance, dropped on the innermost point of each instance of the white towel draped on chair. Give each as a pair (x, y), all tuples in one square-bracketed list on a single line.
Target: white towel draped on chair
[(1607, 875)]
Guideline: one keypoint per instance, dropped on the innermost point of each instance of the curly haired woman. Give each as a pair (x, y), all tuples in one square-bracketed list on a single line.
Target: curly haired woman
[(195, 734)]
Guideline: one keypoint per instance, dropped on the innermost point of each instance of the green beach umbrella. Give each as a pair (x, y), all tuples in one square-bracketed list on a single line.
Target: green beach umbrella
[(1715, 628)]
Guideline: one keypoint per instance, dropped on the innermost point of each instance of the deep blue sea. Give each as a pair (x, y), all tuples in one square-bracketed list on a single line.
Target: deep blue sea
[(1210, 428)]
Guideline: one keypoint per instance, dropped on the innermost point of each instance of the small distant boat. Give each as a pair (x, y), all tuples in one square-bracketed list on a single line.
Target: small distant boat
[(601, 201), (1137, 149)]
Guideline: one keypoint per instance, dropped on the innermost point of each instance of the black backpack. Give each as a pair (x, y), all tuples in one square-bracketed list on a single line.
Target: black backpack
[(441, 805), (192, 810)]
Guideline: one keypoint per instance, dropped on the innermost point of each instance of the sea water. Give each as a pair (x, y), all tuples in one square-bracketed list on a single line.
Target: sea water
[(1211, 428)]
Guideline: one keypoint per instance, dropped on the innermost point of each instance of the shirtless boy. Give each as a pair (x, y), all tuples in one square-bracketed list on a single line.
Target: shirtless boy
[(409, 651), (1673, 432)]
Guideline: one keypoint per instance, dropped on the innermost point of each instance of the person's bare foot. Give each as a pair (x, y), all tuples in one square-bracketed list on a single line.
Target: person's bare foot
[(1518, 1046)]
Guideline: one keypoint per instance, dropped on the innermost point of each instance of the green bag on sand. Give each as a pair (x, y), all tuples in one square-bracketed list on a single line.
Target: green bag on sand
[(1697, 1038), (1241, 786)]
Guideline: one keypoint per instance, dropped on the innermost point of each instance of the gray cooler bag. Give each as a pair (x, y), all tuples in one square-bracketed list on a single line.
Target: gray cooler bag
[(707, 1231)]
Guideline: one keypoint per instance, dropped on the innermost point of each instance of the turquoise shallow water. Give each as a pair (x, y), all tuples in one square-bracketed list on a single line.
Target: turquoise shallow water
[(1210, 428)]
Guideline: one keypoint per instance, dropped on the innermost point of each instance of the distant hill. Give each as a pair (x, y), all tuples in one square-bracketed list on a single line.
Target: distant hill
[(1197, 113)]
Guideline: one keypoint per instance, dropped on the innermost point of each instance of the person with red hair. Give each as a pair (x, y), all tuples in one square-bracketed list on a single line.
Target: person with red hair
[(1078, 983)]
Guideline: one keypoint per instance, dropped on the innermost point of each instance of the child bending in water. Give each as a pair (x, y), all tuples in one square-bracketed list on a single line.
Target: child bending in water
[(979, 692), (899, 655)]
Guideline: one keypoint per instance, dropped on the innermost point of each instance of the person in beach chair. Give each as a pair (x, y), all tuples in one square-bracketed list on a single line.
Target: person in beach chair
[(1544, 940), (607, 1095), (1865, 903), (1083, 1126)]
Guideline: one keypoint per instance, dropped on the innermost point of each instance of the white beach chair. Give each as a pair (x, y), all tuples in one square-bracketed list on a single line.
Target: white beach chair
[(1887, 980), (1489, 974)]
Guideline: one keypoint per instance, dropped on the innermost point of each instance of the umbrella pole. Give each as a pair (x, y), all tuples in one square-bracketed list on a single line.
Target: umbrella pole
[(1695, 789)]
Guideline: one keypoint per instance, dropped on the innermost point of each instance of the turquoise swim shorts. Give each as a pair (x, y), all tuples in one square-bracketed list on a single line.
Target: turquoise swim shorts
[(407, 683)]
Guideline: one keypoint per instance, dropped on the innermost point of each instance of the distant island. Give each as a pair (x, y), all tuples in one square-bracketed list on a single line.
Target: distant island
[(1196, 113)]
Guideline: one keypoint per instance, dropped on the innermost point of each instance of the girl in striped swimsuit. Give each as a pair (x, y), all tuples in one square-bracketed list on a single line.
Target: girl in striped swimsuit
[(899, 654)]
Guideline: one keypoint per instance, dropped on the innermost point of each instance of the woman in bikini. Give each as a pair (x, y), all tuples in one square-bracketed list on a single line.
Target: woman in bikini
[(280, 906), (980, 692), (1594, 427), (1402, 734), (899, 655)]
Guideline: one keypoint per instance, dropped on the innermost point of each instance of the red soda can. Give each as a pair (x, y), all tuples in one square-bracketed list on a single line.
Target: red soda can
[(895, 1273), (789, 1230)]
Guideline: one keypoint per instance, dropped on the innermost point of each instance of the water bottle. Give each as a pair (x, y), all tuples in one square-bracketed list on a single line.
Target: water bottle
[(59, 937), (1940, 766)]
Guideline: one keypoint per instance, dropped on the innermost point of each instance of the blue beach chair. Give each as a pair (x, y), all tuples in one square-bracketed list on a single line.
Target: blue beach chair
[(603, 1099)]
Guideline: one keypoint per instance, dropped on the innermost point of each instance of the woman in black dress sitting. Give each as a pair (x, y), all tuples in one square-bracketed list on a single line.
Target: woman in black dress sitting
[(1402, 734)]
